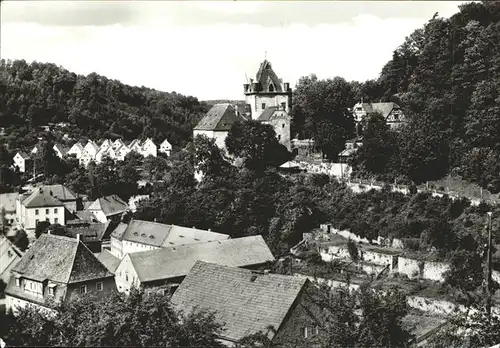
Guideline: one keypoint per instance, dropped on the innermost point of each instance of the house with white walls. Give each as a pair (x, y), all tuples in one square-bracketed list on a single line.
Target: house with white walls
[(77, 150), (165, 147), (91, 149), (23, 161), (149, 148)]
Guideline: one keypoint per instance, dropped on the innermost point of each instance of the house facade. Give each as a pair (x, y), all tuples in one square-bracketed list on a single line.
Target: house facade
[(284, 308), (138, 235), (166, 147), (43, 277), (91, 148), (76, 150), (8, 204), (23, 161), (37, 206), (166, 267), (217, 122), (9, 257), (149, 148), (390, 111)]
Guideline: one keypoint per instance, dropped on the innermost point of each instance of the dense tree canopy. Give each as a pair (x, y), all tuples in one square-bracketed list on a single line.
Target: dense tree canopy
[(35, 94)]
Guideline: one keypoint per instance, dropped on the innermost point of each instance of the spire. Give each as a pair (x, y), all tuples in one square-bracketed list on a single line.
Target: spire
[(265, 55)]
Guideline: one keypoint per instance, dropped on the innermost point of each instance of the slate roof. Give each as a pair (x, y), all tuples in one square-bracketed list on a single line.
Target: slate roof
[(24, 155), (110, 205), (60, 259), (384, 108), (267, 113), (245, 301), (8, 201), (219, 118), (265, 75), (61, 192), (109, 260), (62, 149), (88, 232), (9, 257), (159, 235), (173, 262), (41, 198)]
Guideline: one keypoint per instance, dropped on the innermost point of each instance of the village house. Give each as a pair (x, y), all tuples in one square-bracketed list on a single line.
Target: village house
[(217, 123), (109, 260), (91, 148), (105, 144), (117, 143), (39, 205), (91, 234), (391, 112), (103, 152), (165, 268), (9, 257), (283, 308), (351, 147), (119, 153), (135, 145), (60, 150), (149, 148), (108, 208), (138, 235), (8, 206), (165, 147), (70, 200), (76, 150), (23, 161), (57, 269), (270, 101)]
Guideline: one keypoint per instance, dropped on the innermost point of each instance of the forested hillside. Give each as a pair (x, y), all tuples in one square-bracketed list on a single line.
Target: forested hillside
[(447, 77), (36, 94)]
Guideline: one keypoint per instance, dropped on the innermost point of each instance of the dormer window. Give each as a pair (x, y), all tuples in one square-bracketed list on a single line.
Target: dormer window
[(271, 88)]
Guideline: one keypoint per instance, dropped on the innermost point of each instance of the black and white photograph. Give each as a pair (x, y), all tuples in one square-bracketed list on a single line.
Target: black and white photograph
[(250, 174)]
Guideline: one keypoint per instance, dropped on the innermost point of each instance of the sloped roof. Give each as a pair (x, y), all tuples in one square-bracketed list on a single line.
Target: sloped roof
[(109, 260), (266, 75), (166, 143), (110, 205), (90, 143), (60, 259), (24, 155), (62, 149), (159, 235), (9, 257), (41, 198), (384, 108), (267, 113), (88, 232), (8, 201), (134, 142), (76, 146), (61, 192), (219, 118), (173, 262), (246, 302)]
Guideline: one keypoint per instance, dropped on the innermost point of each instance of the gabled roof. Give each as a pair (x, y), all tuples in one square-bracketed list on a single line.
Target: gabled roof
[(266, 75), (89, 232), (219, 118), (166, 143), (109, 205), (173, 262), (384, 108), (62, 149), (61, 192), (159, 235), (8, 201), (41, 198), (9, 257), (134, 143), (24, 155), (91, 144), (60, 259), (76, 146), (109, 260), (267, 113), (246, 302)]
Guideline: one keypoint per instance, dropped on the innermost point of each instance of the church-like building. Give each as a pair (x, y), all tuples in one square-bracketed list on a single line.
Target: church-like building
[(267, 100)]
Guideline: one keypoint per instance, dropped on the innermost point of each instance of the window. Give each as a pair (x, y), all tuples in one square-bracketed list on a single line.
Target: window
[(304, 332), (283, 125), (37, 221), (283, 105), (46, 211), (263, 106), (9, 253), (271, 88), (55, 210), (279, 136), (83, 289), (36, 211), (99, 286), (126, 277), (52, 289), (56, 220), (47, 219), (18, 281)]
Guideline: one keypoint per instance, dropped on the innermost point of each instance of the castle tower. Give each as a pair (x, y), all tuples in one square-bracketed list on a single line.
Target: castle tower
[(269, 101), (267, 90)]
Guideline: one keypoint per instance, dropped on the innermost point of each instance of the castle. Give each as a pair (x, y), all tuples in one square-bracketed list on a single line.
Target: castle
[(267, 100)]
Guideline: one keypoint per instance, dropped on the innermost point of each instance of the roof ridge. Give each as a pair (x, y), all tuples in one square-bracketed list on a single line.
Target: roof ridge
[(73, 261)]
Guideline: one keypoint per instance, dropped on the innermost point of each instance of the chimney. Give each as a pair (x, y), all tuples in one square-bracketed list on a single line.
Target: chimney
[(78, 237), (48, 231)]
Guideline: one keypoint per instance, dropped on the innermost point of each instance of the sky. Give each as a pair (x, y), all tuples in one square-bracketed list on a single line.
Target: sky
[(208, 49)]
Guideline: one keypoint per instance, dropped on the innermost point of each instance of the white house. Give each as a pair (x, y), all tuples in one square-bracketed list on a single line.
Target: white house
[(149, 148), (137, 236), (135, 145), (119, 153), (22, 161), (86, 158), (77, 150), (103, 152), (91, 148), (165, 147), (106, 144), (39, 205), (118, 143)]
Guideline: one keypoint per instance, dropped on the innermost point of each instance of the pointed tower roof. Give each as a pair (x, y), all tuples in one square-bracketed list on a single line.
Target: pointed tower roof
[(267, 77)]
